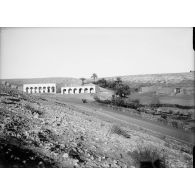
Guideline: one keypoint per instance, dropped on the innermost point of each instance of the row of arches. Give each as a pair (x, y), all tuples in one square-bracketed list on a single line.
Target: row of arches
[(45, 89), (77, 90)]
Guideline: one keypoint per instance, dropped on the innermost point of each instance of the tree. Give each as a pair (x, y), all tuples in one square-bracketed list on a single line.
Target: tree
[(102, 83), (118, 81), (82, 79), (94, 76), (122, 90)]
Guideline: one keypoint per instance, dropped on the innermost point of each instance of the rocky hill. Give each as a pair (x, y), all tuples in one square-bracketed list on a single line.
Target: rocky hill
[(160, 79), (39, 131)]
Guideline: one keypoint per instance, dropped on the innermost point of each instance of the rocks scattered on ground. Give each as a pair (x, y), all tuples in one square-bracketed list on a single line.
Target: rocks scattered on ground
[(38, 132)]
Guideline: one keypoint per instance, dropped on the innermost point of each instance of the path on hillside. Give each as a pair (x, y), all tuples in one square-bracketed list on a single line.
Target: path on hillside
[(144, 125), (119, 117)]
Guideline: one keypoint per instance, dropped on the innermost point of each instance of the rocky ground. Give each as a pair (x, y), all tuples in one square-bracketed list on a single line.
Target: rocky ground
[(36, 131), (166, 78)]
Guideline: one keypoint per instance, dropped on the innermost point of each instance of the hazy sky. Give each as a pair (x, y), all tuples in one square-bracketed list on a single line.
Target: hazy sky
[(79, 52)]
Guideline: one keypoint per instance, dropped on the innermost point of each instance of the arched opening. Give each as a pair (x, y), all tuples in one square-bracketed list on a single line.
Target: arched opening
[(85, 90), (44, 88), (27, 90), (35, 89), (48, 89), (91, 90), (80, 90), (40, 88), (69, 90), (75, 89), (64, 91), (53, 89), (31, 89)]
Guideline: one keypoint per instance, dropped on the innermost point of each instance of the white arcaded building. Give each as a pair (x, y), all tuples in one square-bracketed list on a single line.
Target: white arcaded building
[(89, 88), (40, 88)]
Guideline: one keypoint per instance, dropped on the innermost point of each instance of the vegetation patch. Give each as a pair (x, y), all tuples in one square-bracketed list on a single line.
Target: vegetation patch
[(84, 100), (121, 89), (115, 129), (148, 157)]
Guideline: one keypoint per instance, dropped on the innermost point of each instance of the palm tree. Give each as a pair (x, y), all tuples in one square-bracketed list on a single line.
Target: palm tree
[(82, 79), (94, 76)]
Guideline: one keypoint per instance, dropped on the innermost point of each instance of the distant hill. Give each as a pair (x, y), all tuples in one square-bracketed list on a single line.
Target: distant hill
[(57, 80), (167, 79)]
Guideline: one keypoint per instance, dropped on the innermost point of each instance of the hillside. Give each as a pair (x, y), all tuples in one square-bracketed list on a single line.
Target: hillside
[(42, 131), (57, 80), (169, 79), (159, 79)]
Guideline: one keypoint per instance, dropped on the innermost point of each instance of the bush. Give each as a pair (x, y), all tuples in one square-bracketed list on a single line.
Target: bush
[(33, 109), (117, 130), (102, 83), (122, 90), (84, 100), (118, 101), (148, 157), (174, 124)]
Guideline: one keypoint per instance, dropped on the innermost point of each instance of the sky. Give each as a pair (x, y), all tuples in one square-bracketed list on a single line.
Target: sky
[(80, 52)]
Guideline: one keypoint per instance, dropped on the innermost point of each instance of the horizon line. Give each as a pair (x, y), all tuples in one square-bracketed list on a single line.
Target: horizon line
[(57, 77)]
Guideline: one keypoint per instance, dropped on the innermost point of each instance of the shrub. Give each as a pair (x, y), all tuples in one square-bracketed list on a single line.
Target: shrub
[(33, 109), (118, 101), (122, 90), (148, 157), (102, 83), (171, 112), (164, 116), (84, 100), (117, 130), (162, 120), (175, 124)]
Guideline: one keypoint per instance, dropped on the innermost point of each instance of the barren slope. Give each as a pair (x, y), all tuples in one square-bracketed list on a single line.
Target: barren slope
[(45, 132), (160, 79)]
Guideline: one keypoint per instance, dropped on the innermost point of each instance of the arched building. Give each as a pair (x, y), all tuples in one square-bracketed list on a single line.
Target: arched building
[(40, 88), (89, 88)]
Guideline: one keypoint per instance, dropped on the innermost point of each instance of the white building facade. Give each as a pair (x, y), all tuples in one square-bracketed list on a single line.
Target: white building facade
[(78, 89), (40, 88)]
